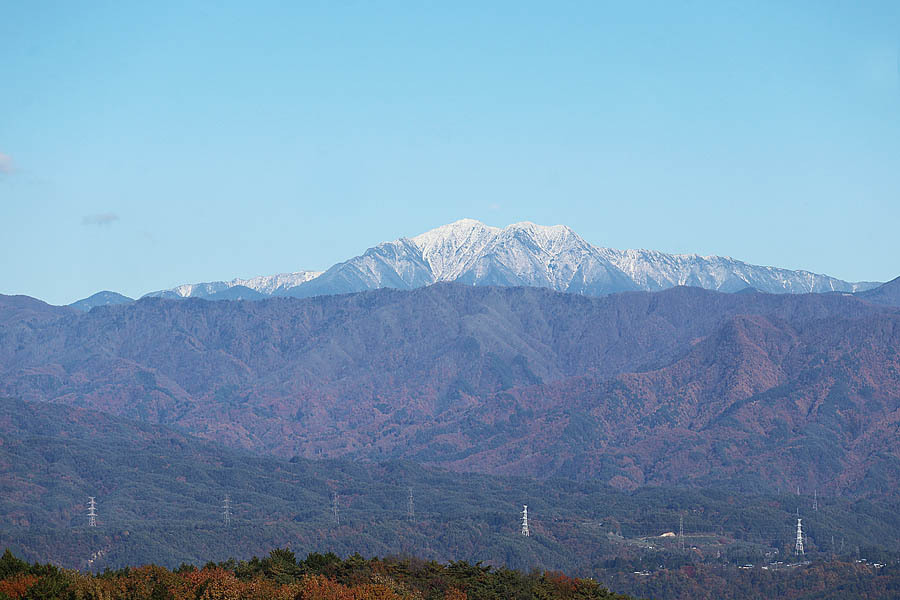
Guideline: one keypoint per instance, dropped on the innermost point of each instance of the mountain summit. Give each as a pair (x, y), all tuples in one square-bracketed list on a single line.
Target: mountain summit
[(522, 254)]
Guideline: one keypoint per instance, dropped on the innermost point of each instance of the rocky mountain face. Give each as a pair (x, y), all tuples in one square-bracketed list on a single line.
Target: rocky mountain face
[(684, 386), (522, 254)]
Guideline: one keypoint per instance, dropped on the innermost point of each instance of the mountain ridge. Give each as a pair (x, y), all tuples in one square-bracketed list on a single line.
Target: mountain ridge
[(887, 293), (496, 379), (470, 252), (264, 285)]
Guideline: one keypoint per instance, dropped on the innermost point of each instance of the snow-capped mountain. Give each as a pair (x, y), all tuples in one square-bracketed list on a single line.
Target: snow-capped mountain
[(255, 287), (556, 257), (652, 270), (521, 254)]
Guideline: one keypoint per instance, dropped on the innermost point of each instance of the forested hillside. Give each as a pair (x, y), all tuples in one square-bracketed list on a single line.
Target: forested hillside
[(683, 387), (160, 497)]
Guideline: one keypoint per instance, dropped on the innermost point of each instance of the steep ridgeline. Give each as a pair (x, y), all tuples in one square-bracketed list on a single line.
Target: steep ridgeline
[(522, 254), (683, 386)]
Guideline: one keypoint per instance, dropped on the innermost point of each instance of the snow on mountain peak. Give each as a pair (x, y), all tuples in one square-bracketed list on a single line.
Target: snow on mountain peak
[(452, 234), (449, 249), (267, 284), (552, 239), (524, 253), (264, 284)]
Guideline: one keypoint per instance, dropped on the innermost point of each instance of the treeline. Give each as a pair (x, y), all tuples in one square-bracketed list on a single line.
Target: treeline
[(831, 580), (280, 576)]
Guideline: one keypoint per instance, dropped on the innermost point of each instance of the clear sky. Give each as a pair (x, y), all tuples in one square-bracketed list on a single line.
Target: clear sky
[(147, 144)]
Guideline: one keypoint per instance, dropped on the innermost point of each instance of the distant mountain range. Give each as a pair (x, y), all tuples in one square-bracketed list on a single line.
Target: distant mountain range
[(683, 386), (522, 254), (240, 289), (525, 254)]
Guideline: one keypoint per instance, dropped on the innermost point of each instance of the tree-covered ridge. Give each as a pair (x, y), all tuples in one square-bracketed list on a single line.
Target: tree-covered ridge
[(160, 498), (684, 387), (280, 576)]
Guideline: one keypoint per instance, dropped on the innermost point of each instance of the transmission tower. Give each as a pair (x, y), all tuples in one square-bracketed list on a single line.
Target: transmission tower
[(525, 530), (334, 508), (410, 513), (816, 500), (92, 512), (681, 530), (798, 547), (226, 510)]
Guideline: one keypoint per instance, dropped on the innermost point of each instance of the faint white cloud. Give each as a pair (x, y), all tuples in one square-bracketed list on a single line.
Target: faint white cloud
[(6, 164), (100, 219), (494, 206)]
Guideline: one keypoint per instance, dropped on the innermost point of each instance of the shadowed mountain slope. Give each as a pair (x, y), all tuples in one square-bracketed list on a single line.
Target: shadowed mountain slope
[(887, 293), (632, 388)]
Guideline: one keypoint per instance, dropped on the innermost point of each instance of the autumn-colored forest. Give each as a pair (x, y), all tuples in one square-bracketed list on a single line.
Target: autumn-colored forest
[(280, 576)]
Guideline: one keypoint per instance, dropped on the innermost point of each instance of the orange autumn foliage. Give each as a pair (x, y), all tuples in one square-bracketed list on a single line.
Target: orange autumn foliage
[(564, 584), (317, 587), (455, 594), (16, 587), (220, 584)]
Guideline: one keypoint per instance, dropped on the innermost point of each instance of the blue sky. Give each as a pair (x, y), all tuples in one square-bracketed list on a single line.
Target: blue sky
[(143, 145)]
